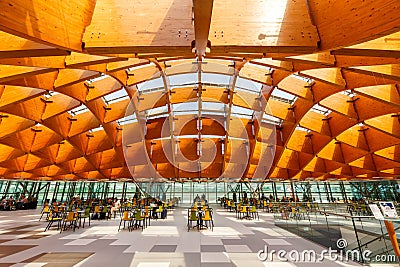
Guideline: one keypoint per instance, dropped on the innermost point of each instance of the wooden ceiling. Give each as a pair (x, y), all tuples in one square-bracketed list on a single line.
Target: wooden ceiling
[(338, 60)]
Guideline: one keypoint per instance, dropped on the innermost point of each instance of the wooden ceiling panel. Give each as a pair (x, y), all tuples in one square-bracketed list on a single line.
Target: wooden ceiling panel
[(328, 108)]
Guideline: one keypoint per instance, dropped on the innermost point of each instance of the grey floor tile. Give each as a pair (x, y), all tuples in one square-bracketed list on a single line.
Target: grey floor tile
[(163, 248)]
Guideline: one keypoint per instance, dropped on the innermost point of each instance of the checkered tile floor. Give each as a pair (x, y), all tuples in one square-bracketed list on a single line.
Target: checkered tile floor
[(165, 243)]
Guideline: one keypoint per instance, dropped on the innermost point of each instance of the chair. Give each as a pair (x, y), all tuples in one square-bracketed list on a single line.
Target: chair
[(160, 210), (233, 205), (208, 219), (71, 219), (139, 220), (97, 212), (192, 217), (53, 217), (238, 209), (87, 215), (46, 210), (107, 212), (146, 215), (254, 212), (242, 211), (125, 219), (228, 205)]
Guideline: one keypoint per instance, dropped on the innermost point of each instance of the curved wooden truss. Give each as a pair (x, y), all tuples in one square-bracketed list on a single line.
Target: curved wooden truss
[(76, 100)]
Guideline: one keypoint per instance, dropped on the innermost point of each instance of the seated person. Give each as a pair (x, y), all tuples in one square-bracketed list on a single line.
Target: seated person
[(116, 206)]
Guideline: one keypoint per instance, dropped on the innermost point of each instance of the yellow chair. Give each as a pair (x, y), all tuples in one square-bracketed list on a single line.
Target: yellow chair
[(71, 219), (125, 218), (242, 211), (53, 217), (208, 219), (46, 210), (254, 212)]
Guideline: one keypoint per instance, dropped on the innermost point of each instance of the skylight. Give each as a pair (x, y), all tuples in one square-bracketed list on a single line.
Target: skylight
[(127, 119), (248, 85), (78, 110), (217, 79), (271, 119), (298, 127), (185, 107), (242, 112), (49, 94), (349, 93), (151, 85), (280, 95), (182, 80), (305, 79), (116, 96), (101, 77), (213, 106), (320, 109), (100, 128)]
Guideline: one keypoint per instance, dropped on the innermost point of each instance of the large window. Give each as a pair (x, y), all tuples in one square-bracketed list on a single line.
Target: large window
[(318, 191)]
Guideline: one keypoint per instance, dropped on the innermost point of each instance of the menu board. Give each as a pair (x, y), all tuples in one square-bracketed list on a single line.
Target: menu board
[(389, 210), (376, 211)]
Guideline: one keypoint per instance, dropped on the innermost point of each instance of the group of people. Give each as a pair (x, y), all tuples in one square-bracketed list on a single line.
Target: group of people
[(20, 203)]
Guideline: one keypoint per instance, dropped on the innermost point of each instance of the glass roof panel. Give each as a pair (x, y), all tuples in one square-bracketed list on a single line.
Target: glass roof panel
[(241, 112), (215, 79), (321, 109), (116, 96), (151, 85), (283, 96), (78, 110), (248, 85), (127, 120), (182, 80), (213, 106)]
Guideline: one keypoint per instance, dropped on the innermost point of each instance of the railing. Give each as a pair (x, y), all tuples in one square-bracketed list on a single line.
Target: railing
[(327, 224)]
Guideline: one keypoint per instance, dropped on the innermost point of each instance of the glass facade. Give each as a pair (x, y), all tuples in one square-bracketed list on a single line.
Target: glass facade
[(321, 191)]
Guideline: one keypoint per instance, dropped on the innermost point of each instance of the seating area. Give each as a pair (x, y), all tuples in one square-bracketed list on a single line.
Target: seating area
[(131, 214), (201, 217)]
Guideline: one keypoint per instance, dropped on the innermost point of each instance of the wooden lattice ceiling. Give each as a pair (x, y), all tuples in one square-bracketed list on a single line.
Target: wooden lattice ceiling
[(61, 60)]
